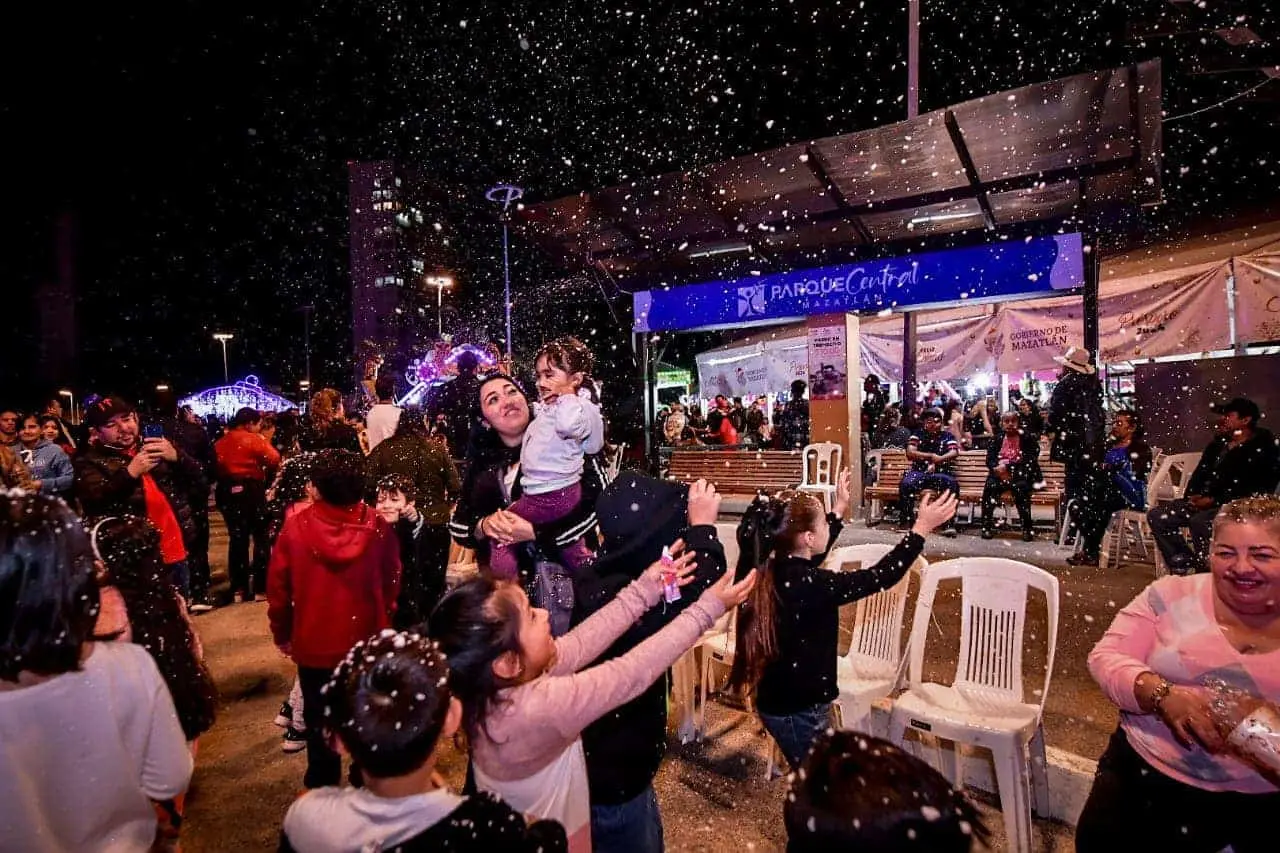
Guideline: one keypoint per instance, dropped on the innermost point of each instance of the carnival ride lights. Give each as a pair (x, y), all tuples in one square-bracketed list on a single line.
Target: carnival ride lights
[(438, 367), (225, 400)]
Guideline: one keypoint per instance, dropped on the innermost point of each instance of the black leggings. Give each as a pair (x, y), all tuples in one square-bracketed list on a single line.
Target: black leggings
[(1133, 806)]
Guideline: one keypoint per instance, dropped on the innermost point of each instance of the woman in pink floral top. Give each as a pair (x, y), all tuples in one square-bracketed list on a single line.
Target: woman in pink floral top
[(1168, 780)]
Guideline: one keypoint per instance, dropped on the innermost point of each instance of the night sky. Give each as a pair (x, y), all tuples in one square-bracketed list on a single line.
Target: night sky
[(202, 147)]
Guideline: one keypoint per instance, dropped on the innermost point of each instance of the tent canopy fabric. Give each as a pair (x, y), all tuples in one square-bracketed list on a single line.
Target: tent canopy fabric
[(1173, 301), (1039, 153)]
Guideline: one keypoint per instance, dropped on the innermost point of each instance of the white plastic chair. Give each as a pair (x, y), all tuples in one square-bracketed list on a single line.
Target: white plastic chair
[(984, 705), (872, 668), (717, 647), (613, 464), (1181, 464), (1115, 542), (821, 468)]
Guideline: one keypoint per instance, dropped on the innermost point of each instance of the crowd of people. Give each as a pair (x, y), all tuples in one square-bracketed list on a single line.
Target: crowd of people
[(548, 665)]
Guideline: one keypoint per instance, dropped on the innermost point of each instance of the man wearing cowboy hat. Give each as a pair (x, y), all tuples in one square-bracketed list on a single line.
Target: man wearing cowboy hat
[(1076, 419)]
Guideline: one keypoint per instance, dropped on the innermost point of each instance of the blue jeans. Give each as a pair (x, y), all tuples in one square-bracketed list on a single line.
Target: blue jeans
[(631, 827), (795, 733), (914, 482)]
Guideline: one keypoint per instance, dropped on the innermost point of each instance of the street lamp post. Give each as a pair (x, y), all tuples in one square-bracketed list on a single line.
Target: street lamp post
[(440, 282), (306, 335), (222, 338), (72, 398), (505, 194)]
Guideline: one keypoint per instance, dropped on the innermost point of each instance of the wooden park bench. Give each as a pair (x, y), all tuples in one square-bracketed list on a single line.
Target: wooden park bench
[(970, 472), (738, 473)]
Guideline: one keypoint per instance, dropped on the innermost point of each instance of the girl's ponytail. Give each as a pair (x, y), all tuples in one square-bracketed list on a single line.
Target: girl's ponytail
[(768, 531)]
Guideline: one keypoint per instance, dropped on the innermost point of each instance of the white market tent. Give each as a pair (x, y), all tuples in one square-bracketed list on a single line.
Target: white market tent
[(1208, 294)]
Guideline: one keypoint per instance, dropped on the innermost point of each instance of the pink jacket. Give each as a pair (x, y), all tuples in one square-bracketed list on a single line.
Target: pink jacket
[(1170, 629), (535, 723)]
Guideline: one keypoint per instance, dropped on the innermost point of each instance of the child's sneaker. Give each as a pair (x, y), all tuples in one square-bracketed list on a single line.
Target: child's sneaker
[(293, 740), (284, 717)]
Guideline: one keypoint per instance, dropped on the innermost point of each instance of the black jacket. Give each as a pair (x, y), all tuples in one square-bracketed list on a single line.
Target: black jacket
[(482, 495), (638, 516), (483, 823), (104, 485), (1249, 469), (808, 622), (1024, 468), (459, 401), (1077, 420), (334, 435), (193, 440)]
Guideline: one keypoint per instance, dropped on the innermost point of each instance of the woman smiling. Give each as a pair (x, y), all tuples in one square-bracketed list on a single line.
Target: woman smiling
[(493, 482), (1169, 780)]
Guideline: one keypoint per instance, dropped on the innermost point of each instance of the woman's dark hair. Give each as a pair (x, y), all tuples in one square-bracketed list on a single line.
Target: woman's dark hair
[(486, 448), (387, 702), (129, 546), (769, 529), (48, 596), (572, 356), (245, 417), (338, 476), (797, 389), (475, 626), (289, 487), (411, 424), (288, 427), (858, 792)]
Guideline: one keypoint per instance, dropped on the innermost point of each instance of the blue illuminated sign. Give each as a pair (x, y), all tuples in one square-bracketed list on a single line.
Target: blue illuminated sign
[(1036, 266)]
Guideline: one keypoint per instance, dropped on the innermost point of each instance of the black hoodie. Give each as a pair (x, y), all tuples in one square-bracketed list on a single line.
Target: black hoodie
[(638, 516)]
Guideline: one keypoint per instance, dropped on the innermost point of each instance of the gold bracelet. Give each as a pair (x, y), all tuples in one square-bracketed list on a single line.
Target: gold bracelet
[(1160, 694)]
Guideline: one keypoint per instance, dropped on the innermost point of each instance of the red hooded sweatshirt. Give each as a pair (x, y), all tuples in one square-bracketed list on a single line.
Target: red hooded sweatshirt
[(333, 581)]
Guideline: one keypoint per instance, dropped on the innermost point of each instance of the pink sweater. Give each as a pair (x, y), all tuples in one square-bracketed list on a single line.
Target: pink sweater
[(1170, 629), (534, 724)]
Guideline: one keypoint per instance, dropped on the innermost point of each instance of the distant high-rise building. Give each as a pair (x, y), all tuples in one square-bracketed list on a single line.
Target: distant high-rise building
[(376, 278), (400, 236), (56, 308)]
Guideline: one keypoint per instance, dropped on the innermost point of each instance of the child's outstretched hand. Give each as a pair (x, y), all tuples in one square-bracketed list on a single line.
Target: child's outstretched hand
[(677, 569), (934, 511), (840, 507), (732, 594)]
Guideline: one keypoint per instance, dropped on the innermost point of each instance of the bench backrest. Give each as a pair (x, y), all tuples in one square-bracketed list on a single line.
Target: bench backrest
[(739, 472), (970, 470)]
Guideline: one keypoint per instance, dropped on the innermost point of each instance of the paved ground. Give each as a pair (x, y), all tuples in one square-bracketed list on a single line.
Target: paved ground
[(713, 795)]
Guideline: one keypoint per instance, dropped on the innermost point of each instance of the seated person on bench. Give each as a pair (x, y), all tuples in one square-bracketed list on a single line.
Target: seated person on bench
[(1009, 463), (933, 452)]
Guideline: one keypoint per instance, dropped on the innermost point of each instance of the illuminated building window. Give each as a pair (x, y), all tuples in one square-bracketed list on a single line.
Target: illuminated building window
[(388, 281)]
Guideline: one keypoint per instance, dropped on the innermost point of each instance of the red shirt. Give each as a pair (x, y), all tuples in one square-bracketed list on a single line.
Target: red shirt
[(244, 455), (728, 432), (333, 581)]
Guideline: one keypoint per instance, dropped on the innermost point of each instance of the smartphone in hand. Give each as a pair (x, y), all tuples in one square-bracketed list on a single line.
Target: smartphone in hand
[(152, 431)]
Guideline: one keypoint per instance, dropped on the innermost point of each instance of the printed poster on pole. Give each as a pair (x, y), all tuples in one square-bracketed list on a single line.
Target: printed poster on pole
[(828, 378)]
